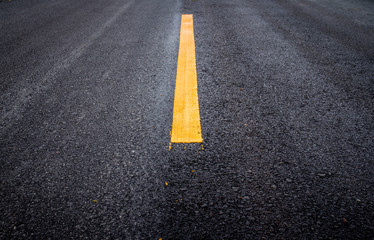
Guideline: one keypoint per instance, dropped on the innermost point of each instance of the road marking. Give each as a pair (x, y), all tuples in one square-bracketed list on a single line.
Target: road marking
[(186, 116)]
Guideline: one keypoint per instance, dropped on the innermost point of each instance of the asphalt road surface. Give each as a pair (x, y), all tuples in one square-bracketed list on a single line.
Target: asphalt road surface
[(286, 95)]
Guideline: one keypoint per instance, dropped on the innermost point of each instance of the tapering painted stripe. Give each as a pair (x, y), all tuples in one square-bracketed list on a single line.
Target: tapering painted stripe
[(186, 116)]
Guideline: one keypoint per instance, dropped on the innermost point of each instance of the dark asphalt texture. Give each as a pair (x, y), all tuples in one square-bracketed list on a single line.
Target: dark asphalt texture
[(286, 93)]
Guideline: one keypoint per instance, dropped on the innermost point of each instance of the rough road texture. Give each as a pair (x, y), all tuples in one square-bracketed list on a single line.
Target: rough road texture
[(286, 98)]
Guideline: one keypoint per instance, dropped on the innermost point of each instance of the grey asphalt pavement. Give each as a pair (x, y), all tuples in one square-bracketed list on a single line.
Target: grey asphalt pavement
[(286, 94)]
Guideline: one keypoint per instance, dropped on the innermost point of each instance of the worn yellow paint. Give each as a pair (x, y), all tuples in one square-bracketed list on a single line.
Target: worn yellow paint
[(186, 116)]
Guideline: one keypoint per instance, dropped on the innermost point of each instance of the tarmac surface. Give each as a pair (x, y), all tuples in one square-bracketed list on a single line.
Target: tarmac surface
[(286, 95)]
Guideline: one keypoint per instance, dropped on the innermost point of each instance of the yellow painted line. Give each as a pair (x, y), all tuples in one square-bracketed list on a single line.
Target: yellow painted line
[(186, 116)]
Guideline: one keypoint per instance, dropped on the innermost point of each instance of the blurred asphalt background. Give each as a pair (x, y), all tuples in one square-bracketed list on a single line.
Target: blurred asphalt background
[(286, 92)]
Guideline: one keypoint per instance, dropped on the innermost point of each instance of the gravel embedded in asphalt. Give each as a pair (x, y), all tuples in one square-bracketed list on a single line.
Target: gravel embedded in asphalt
[(286, 104)]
